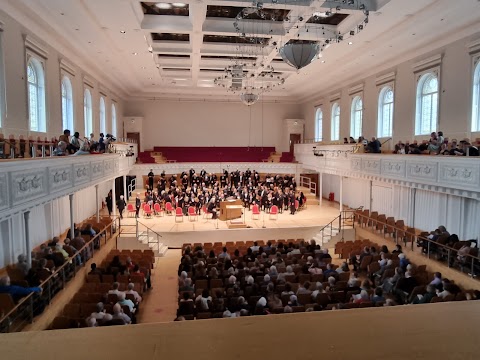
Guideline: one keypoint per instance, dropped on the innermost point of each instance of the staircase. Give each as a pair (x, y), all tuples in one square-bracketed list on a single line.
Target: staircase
[(339, 229), (141, 237)]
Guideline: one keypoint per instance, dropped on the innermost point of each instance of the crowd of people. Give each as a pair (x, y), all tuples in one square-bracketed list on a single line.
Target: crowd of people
[(373, 146), (438, 145), (75, 145), (207, 190), (271, 279)]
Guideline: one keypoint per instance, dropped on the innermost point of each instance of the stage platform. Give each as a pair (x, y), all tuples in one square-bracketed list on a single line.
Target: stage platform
[(304, 224)]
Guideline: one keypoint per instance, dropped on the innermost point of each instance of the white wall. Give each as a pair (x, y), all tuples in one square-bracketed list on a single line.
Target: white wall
[(455, 98), (16, 120), (190, 123)]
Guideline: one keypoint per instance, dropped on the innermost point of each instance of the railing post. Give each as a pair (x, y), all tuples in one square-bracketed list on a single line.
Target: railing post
[(63, 278), (448, 260), (471, 270), (136, 227), (428, 249), (30, 312)]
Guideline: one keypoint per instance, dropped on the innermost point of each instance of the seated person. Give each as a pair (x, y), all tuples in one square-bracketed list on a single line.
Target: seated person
[(373, 146), (425, 298), (122, 300), (130, 290), (120, 315), (17, 292), (23, 264), (100, 314), (115, 290)]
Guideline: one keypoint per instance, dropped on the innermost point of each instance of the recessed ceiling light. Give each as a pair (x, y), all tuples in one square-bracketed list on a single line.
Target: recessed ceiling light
[(161, 5), (179, 4), (320, 14), (150, 78), (134, 54), (144, 67), (350, 43), (323, 61), (122, 31)]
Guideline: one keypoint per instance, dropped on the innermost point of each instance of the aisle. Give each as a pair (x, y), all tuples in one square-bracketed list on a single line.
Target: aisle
[(160, 304)]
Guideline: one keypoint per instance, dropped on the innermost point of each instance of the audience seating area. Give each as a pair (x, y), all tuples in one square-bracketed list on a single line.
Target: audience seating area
[(30, 147), (97, 286), (50, 269), (210, 154), (232, 294), (444, 248)]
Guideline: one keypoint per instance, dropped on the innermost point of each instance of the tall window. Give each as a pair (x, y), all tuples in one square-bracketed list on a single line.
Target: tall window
[(335, 130), (114, 120), (427, 105), (102, 116), (87, 112), (319, 125), (36, 96), (2, 80), (67, 104), (476, 99), (385, 112), (356, 117)]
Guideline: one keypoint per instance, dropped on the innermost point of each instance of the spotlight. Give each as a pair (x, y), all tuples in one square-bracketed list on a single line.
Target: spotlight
[(352, 33), (360, 27), (161, 5), (362, 7)]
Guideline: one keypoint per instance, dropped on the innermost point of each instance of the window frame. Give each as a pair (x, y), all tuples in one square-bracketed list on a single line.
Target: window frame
[(318, 121), (3, 91), (354, 112), (334, 120), (475, 120), (67, 112), (113, 115), (38, 66), (88, 111), (102, 109), (384, 89)]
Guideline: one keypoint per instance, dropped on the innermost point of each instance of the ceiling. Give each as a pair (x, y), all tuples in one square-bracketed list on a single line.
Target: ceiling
[(149, 52)]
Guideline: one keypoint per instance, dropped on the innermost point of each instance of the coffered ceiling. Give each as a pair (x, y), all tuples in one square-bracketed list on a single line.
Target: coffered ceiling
[(173, 50)]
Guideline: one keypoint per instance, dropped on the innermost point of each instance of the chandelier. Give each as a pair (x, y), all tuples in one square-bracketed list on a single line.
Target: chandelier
[(249, 98), (299, 36)]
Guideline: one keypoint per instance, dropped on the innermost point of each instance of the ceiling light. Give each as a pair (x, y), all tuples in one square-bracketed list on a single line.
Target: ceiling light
[(144, 67), (150, 78), (179, 4), (134, 54), (163, 5), (320, 14), (122, 31), (350, 43), (323, 61)]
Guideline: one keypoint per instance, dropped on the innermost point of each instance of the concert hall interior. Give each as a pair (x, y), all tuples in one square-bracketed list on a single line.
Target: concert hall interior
[(308, 169)]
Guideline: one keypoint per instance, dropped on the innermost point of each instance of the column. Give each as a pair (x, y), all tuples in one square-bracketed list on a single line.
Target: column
[(28, 249), (114, 201), (370, 203), (341, 193), (125, 187), (96, 203), (320, 188), (72, 219)]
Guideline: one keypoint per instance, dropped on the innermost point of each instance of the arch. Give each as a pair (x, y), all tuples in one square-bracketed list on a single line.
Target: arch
[(356, 117), (103, 123), (319, 125), (427, 104), (87, 112), (335, 130), (67, 104), (385, 112), (476, 99), (36, 95)]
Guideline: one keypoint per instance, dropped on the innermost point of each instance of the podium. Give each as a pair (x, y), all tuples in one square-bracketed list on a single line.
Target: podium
[(230, 210)]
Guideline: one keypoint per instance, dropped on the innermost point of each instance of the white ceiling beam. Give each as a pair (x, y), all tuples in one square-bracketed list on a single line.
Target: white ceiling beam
[(197, 14)]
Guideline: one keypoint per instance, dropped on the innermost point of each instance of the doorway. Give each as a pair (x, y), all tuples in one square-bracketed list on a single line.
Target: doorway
[(294, 139), (134, 136)]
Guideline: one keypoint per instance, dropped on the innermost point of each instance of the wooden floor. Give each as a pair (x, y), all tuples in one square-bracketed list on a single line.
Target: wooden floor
[(433, 331)]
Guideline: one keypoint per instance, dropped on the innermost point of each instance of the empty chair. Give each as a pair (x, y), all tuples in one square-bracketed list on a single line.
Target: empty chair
[(255, 212), (273, 212), (131, 210), (192, 213), (178, 213)]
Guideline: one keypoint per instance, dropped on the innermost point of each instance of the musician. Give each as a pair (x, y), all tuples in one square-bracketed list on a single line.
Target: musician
[(150, 179), (191, 174), (138, 204), (212, 208), (291, 199)]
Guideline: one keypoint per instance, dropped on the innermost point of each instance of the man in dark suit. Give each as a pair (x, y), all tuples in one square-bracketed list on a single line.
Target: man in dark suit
[(291, 200), (150, 179), (138, 204)]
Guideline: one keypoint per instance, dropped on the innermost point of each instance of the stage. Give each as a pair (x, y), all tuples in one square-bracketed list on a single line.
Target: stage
[(304, 224)]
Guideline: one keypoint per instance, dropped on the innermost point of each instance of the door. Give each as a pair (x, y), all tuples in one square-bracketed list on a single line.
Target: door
[(134, 136), (294, 139)]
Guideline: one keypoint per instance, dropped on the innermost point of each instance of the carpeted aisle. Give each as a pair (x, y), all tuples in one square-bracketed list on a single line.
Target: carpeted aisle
[(160, 304)]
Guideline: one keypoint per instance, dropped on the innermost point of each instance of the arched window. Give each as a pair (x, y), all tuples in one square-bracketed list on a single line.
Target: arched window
[(476, 99), (427, 105), (67, 104), (114, 120), (356, 117), (319, 125), (335, 131), (385, 112), (87, 112), (36, 96), (103, 128)]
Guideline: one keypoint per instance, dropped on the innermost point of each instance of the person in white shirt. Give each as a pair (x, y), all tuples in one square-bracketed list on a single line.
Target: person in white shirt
[(224, 254), (135, 294), (115, 290), (203, 300), (119, 314), (255, 247), (101, 314)]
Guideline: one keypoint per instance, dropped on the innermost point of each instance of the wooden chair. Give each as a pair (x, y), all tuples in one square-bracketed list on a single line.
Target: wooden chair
[(381, 220), (390, 228)]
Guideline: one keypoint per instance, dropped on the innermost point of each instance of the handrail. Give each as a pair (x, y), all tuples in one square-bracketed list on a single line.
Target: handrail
[(68, 261), (417, 237)]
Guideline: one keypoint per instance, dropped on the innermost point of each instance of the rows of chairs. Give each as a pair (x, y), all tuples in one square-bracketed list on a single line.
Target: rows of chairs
[(26, 147)]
